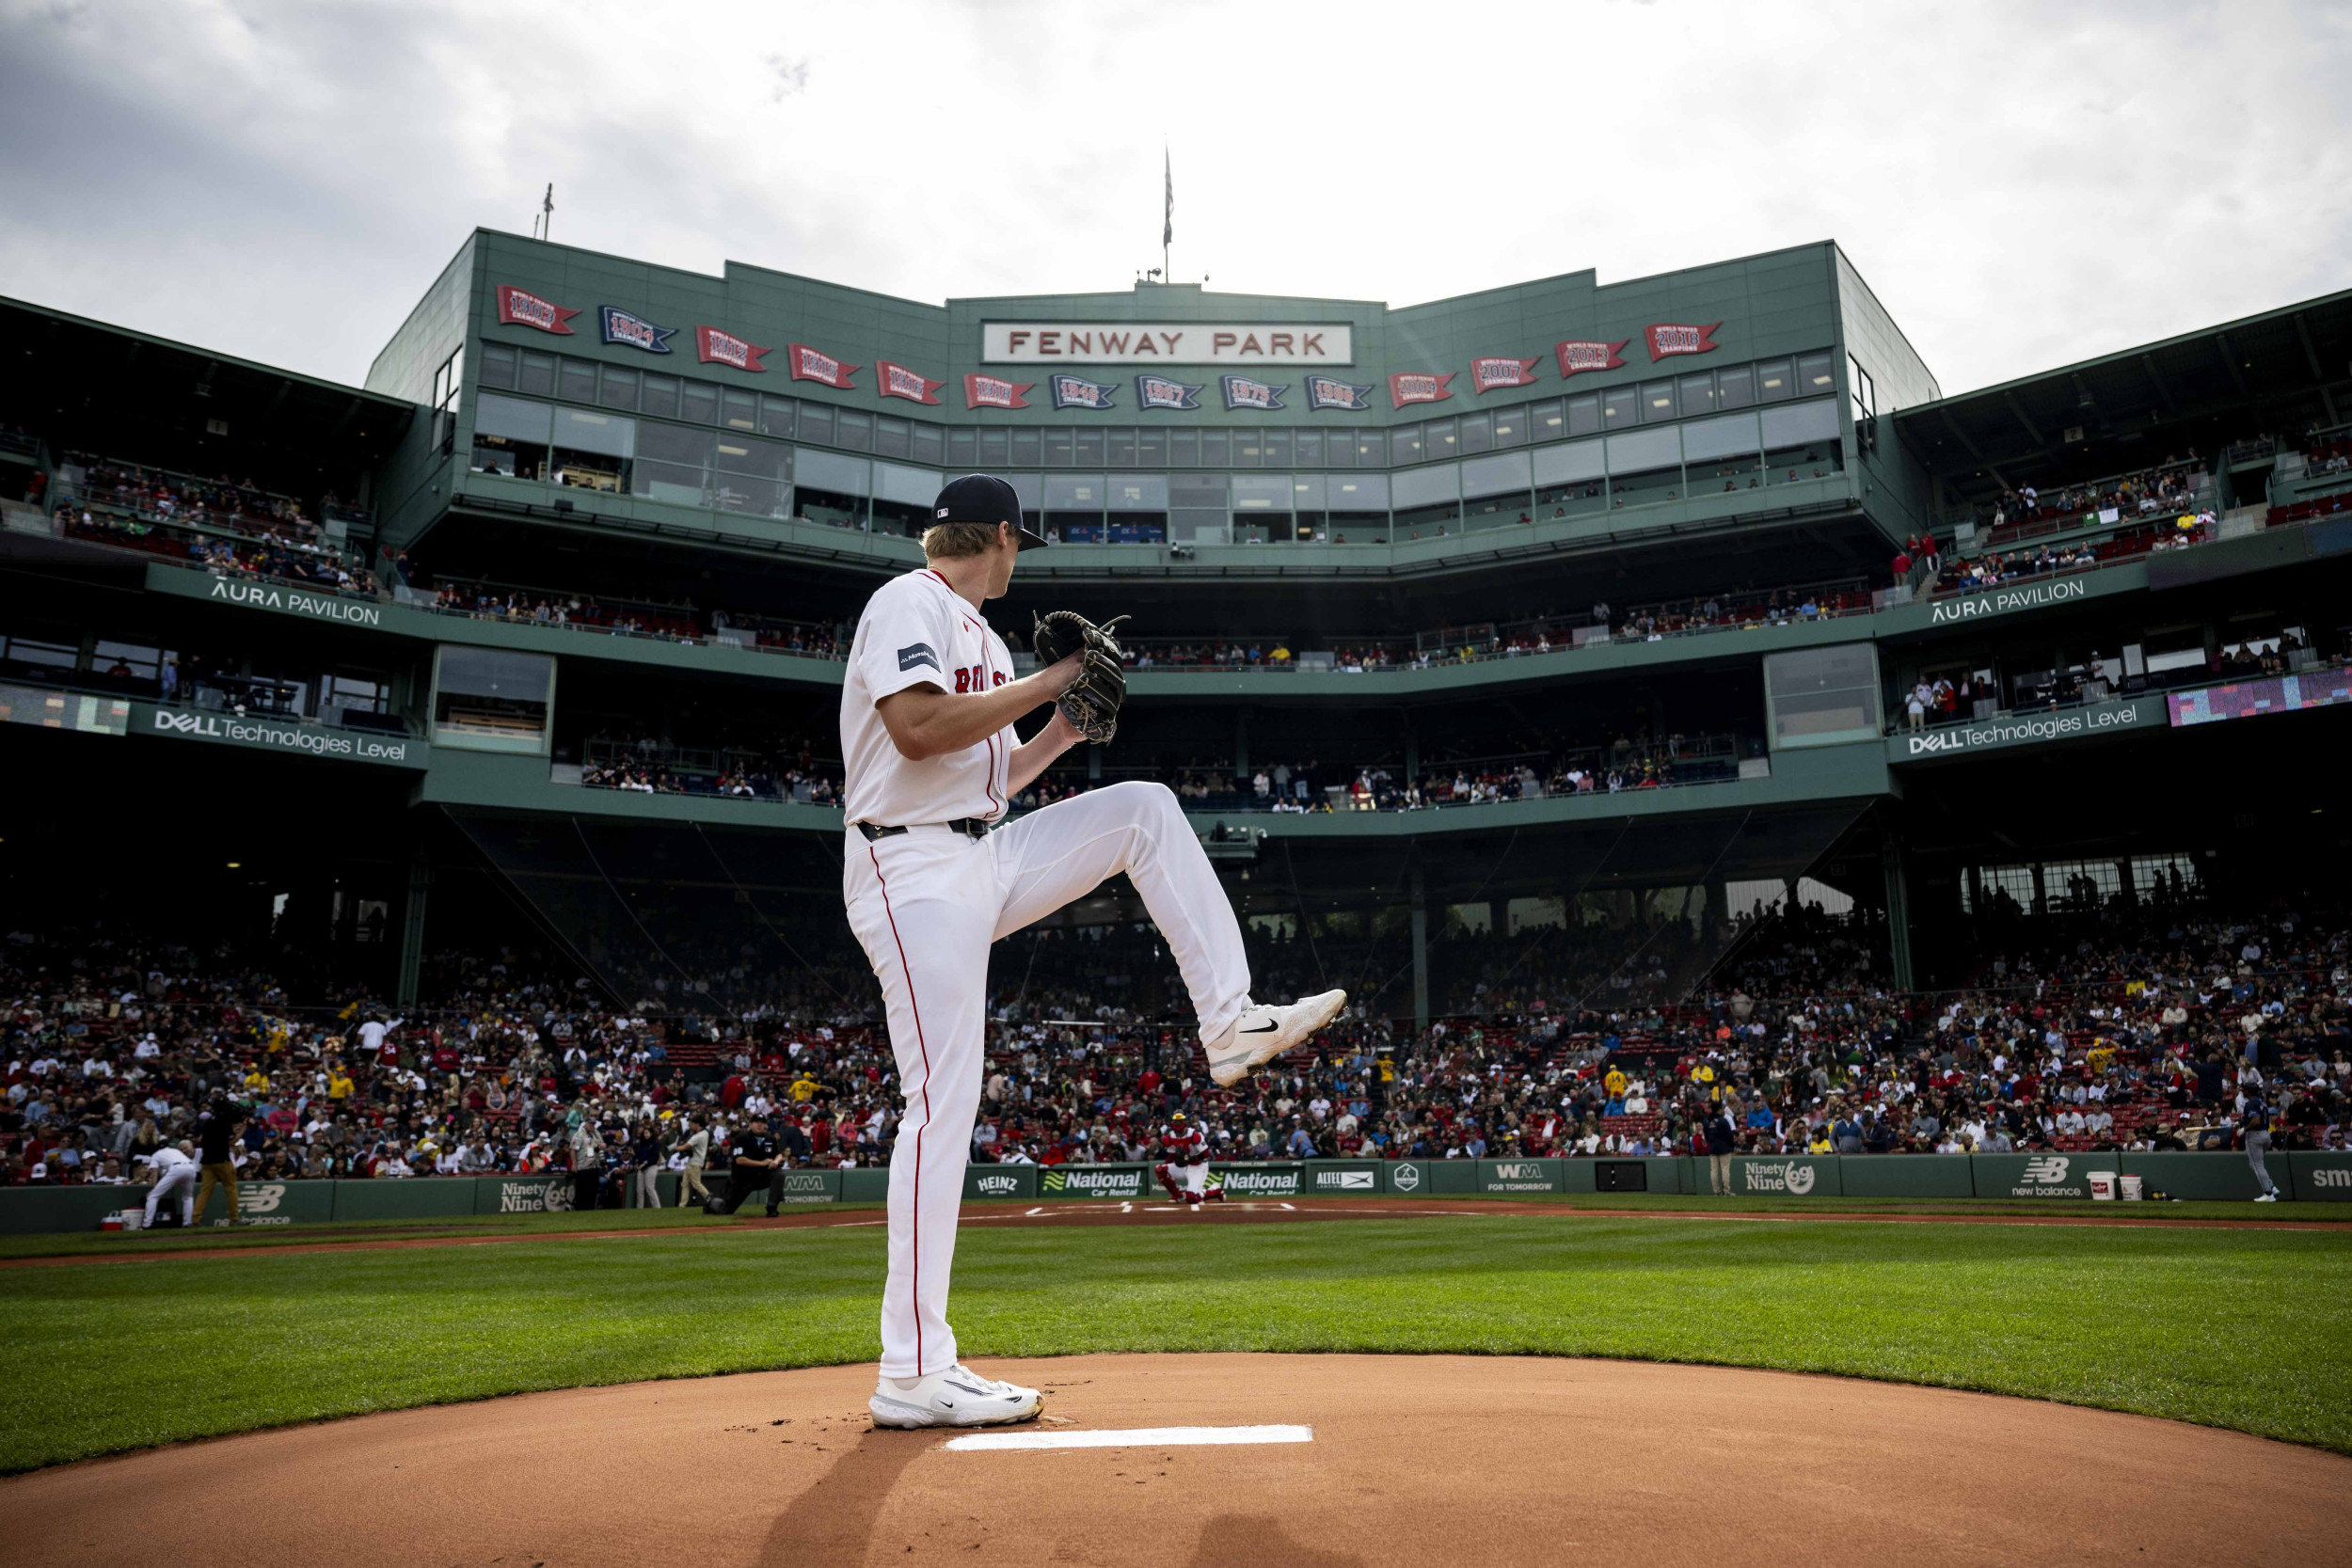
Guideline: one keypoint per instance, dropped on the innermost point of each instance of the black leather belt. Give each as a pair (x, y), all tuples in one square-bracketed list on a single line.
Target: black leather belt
[(970, 826)]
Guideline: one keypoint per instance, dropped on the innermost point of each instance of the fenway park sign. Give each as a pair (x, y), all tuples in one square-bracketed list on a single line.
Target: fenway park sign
[(1166, 343)]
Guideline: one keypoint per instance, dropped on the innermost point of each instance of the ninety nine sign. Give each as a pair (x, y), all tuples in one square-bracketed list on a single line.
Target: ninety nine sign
[(1165, 343)]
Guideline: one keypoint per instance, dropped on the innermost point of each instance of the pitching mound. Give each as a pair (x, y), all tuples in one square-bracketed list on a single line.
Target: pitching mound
[(1353, 1460)]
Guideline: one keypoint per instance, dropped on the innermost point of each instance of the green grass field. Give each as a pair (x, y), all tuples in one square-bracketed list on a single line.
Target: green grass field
[(2242, 1328)]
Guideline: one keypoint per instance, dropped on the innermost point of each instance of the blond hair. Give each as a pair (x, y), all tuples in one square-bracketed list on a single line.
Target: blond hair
[(950, 541)]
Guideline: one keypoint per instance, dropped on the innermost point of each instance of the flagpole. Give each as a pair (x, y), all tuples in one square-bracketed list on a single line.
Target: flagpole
[(1168, 212)]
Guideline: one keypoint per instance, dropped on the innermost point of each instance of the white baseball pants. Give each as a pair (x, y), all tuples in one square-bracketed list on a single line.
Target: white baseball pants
[(927, 904), (180, 1180)]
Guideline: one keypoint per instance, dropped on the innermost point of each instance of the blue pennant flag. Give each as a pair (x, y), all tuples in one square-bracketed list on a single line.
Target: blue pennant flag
[(1242, 393), (633, 331), (1159, 392), (1328, 391), (1076, 392)]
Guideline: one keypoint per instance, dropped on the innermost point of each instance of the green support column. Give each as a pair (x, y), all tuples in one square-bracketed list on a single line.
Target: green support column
[(412, 929), (1898, 912), (1420, 956), (1241, 744)]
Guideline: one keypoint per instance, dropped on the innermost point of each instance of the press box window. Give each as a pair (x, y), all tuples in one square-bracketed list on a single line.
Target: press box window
[(490, 700), (1822, 696), (447, 381)]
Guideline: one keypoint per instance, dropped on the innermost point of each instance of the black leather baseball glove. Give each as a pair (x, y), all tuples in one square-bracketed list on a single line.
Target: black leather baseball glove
[(1091, 703)]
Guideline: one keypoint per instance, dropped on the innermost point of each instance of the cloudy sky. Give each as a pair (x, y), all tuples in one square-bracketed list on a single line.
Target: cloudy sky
[(2023, 185)]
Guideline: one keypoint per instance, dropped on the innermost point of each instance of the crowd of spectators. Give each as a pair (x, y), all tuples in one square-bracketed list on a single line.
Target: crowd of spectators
[(227, 528), (1548, 633), (2176, 485), (680, 622), (1634, 761), (2326, 452), (646, 766), (2164, 1025)]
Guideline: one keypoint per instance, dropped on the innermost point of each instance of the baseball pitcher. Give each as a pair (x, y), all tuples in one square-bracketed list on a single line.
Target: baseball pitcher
[(932, 875)]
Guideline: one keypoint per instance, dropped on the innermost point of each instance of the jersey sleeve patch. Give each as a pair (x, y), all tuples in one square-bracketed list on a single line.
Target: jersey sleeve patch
[(915, 654)]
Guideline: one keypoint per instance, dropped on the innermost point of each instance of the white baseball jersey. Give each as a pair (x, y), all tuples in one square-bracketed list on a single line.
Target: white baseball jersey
[(917, 631), (1188, 1145)]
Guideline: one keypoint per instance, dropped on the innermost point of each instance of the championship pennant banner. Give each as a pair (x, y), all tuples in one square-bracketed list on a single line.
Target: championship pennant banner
[(716, 347), (1490, 372), (1324, 392), (629, 331), (517, 308), (1576, 358), (994, 391), (1242, 393), (1667, 339), (810, 364), (1417, 387), (1159, 392), (1076, 392), (897, 381)]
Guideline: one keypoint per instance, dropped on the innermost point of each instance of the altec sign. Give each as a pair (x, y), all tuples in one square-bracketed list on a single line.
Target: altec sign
[(1166, 343)]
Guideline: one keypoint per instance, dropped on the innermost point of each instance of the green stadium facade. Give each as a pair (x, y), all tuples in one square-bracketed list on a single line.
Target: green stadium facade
[(1662, 538)]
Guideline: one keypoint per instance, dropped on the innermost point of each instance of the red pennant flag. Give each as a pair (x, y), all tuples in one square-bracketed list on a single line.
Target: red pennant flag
[(1668, 337), (519, 308), (897, 381), (716, 347), (1417, 387), (810, 364), (994, 391), (1488, 373), (1576, 358)]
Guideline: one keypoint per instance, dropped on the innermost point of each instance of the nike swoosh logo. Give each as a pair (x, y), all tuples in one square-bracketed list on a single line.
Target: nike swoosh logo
[(1268, 1030)]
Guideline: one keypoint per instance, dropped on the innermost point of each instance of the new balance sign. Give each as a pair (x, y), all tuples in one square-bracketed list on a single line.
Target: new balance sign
[(258, 1202)]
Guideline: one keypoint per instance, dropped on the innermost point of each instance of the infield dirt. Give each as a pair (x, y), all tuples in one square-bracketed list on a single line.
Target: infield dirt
[(1414, 1460)]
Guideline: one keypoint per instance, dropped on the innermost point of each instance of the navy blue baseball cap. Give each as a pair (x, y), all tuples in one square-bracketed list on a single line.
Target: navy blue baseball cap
[(983, 499)]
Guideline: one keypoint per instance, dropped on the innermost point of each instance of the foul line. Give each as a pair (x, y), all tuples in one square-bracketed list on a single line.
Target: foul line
[(1136, 1437)]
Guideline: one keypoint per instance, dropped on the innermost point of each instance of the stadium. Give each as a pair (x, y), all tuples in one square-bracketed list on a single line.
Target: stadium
[(1839, 889)]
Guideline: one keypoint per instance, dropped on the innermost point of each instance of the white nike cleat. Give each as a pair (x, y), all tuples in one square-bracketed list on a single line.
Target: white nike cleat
[(1264, 1031), (957, 1397)]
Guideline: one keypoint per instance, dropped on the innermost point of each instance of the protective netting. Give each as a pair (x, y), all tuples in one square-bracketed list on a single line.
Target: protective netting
[(1613, 915)]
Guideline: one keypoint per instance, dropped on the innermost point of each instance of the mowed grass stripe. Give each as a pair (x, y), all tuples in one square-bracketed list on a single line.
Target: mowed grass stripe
[(2238, 1328)]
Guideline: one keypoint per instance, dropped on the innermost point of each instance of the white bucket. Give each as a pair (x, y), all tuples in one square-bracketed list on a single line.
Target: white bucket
[(2131, 1188), (133, 1219), (2103, 1185)]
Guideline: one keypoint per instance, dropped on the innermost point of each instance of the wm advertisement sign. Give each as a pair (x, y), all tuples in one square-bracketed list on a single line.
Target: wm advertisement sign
[(1092, 1182), (1520, 1176)]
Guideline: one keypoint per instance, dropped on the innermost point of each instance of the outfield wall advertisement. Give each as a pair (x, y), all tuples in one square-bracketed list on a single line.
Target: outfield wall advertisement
[(2311, 1177)]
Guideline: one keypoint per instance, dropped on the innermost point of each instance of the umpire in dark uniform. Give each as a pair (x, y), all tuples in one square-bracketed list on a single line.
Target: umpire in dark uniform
[(756, 1165)]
